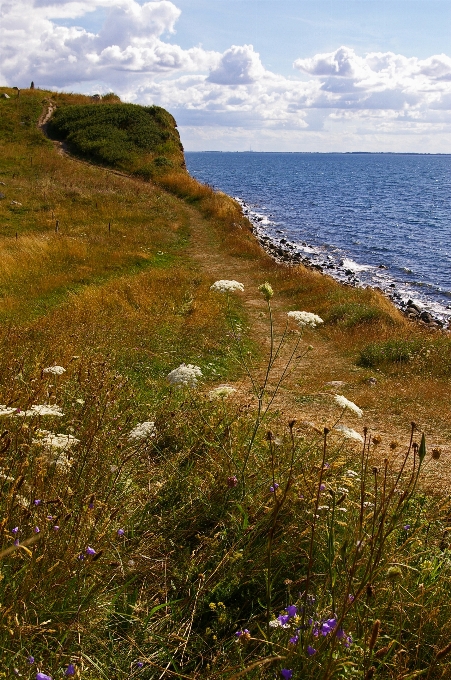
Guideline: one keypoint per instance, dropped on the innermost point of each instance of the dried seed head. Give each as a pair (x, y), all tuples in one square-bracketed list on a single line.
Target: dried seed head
[(292, 423), (270, 436), (375, 470), (394, 445), (370, 673), (326, 430), (382, 652), (413, 425), (365, 430), (374, 634), (415, 446), (436, 453), (376, 439), (369, 590)]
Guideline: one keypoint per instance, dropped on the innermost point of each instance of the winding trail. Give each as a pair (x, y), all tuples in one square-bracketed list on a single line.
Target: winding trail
[(308, 392)]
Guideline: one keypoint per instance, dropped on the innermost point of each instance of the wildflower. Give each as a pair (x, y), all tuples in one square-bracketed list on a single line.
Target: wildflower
[(54, 370), (345, 403), (348, 641), (350, 598), (7, 410), (310, 650), (42, 676), (349, 433), (273, 487), (406, 527), (37, 501), (286, 673), (139, 664), (351, 473), (328, 626), (293, 640), (436, 453), (15, 530), (232, 481), (291, 610), (322, 487), (70, 670), (275, 623), (30, 660), (283, 620), (227, 286), (305, 318), (221, 392), (90, 551), (120, 532), (41, 410), (243, 635), (52, 440), (16, 542), (56, 528), (184, 376), (142, 431), (37, 530), (266, 290)]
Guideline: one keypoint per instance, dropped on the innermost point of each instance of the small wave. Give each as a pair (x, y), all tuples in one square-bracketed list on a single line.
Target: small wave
[(355, 267)]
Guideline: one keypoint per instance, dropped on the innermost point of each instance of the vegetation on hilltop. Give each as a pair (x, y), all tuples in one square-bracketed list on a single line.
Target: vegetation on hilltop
[(175, 528), (136, 139)]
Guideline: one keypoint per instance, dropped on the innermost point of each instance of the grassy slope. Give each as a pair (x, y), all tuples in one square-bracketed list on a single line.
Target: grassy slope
[(119, 308)]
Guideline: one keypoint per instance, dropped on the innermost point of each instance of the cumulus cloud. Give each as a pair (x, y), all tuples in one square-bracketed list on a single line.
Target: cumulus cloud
[(135, 53)]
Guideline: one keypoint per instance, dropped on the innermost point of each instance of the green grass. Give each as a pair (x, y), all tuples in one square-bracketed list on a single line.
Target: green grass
[(205, 548)]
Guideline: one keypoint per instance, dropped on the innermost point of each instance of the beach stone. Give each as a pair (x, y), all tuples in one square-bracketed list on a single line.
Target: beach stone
[(371, 381), (426, 317), (412, 311), (2, 196), (410, 303)]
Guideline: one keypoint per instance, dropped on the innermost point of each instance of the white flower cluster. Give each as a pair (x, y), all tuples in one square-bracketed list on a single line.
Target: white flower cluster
[(7, 410), (42, 410), (185, 375), (305, 318), (142, 431), (55, 441), (345, 403), (349, 433), (221, 392), (56, 446), (35, 410), (226, 286), (54, 370)]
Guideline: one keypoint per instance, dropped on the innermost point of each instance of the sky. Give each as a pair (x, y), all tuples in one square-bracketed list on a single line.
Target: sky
[(266, 75)]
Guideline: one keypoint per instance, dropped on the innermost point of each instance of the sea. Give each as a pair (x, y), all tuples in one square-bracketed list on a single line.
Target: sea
[(368, 219)]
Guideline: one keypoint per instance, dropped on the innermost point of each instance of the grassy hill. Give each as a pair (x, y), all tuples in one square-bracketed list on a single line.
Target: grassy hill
[(155, 529)]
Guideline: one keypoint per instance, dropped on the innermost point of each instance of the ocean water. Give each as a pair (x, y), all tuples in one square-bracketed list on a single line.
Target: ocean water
[(382, 220)]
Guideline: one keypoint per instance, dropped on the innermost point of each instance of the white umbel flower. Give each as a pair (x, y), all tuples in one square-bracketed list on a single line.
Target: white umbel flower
[(7, 410), (349, 433), (305, 318), (142, 431), (55, 441), (54, 370), (42, 410), (185, 375), (345, 403), (221, 392), (226, 286)]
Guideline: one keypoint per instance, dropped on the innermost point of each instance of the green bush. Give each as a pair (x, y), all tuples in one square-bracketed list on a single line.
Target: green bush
[(117, 134), (350, 314)]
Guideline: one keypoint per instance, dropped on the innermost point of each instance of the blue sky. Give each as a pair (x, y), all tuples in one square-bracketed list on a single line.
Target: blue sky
[(289, 75)]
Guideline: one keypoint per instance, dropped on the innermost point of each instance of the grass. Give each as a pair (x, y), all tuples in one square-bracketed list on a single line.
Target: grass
[(168, 546)]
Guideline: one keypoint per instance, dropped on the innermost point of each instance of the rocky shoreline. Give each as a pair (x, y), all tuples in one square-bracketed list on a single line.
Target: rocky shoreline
[(290, 254)]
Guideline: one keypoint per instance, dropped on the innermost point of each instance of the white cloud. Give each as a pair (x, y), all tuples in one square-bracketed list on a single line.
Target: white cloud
[(135, 53)]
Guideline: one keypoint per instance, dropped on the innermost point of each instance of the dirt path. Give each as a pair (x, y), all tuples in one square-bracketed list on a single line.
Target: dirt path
[(307, 394)]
